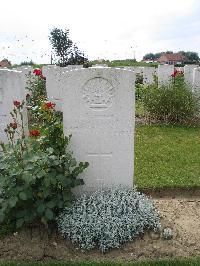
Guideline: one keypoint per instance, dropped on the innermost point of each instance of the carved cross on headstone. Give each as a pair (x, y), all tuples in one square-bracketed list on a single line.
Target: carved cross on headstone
[(101, 163)]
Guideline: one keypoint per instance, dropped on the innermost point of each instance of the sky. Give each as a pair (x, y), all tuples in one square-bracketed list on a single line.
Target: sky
[(103, 29)]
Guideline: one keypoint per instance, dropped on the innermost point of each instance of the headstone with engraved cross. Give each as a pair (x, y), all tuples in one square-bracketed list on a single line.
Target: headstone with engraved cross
[(98, 110)]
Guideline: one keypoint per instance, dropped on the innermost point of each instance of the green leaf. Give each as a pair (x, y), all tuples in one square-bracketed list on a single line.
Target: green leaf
[(51, 204), (27, 176), (49, 214), (73, 162), (2, 216), (41, 208), (20, 222), (67, 196), (44, 220), (22, 195), (13, 201)]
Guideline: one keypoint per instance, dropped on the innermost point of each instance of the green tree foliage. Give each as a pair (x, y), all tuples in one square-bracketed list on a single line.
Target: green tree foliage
[(65, 51), (151, 56), (27, 63), (191, 56)]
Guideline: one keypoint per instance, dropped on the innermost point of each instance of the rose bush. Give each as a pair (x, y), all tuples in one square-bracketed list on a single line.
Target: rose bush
[(37, 170)]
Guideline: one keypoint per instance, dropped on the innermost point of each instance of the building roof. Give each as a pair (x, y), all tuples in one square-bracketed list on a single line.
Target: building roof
[(5, 63), (172, 57)]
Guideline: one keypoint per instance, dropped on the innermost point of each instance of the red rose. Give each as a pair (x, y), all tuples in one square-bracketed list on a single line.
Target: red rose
[(176, 73), (34, 133), (28, 95), (13, 125), (49, 105), (16, 103), (37, 72)]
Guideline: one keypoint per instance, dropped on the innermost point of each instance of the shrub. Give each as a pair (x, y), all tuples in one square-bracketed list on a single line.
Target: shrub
[(173, 103), (108, 218), (36, 179), (140, 92)]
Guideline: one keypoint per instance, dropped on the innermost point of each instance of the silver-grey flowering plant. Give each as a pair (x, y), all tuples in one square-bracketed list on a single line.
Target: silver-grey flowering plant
[(108, 218)]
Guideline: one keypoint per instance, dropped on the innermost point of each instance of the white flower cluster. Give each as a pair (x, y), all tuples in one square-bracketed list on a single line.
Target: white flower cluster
[(108, 218)]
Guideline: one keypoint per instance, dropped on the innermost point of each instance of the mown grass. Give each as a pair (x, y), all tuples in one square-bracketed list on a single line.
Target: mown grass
[(167, 156), (180, 262)]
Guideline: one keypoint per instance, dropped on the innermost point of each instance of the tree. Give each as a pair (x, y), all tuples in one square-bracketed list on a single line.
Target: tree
[(66, 52), (149, 56), (191, 56)]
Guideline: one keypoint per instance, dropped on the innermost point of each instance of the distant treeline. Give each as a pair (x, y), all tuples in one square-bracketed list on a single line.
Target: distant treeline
[(191, 56)]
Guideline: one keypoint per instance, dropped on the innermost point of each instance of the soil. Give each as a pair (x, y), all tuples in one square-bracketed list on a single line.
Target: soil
[(182, 215)]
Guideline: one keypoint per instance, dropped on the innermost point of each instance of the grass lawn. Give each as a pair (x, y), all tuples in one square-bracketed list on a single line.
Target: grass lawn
[(167, 156), (185, 262)]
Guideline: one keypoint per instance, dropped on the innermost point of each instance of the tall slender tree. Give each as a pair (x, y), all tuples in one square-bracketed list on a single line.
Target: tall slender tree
[(65, 51)]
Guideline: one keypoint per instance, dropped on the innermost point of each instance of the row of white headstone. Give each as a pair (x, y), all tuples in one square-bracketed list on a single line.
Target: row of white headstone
[(98, 110)]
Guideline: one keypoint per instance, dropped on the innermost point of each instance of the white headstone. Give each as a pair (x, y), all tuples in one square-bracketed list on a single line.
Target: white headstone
[(164, 74), (188, 74), (100, 65), (53, 87), (71, 67), (148, 75), (98, 110), (136, 69), (26, 70), (12, 87), (52, 74), (196, 82)]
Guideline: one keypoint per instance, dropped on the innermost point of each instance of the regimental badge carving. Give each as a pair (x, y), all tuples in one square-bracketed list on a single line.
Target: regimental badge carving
[(98, 93), (1, 95)]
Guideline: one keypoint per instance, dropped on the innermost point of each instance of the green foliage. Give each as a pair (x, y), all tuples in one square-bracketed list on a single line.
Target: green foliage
[(191, 56), (37, 172), (173, 103), (6, 228), (66, 52), (27, 63), (126, 62), (37, 90), (36, 184), (140, 92), (108, 218), (42, 113)]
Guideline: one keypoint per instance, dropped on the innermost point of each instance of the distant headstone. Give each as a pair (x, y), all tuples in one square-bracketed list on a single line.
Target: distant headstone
[(136, 69), (196, 82), (52, 74), (100, 65), (148, 75), (98, 110), (188, 74), (26, 70), (12, 87), (53, 87), (164, 74), (71, 67)]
